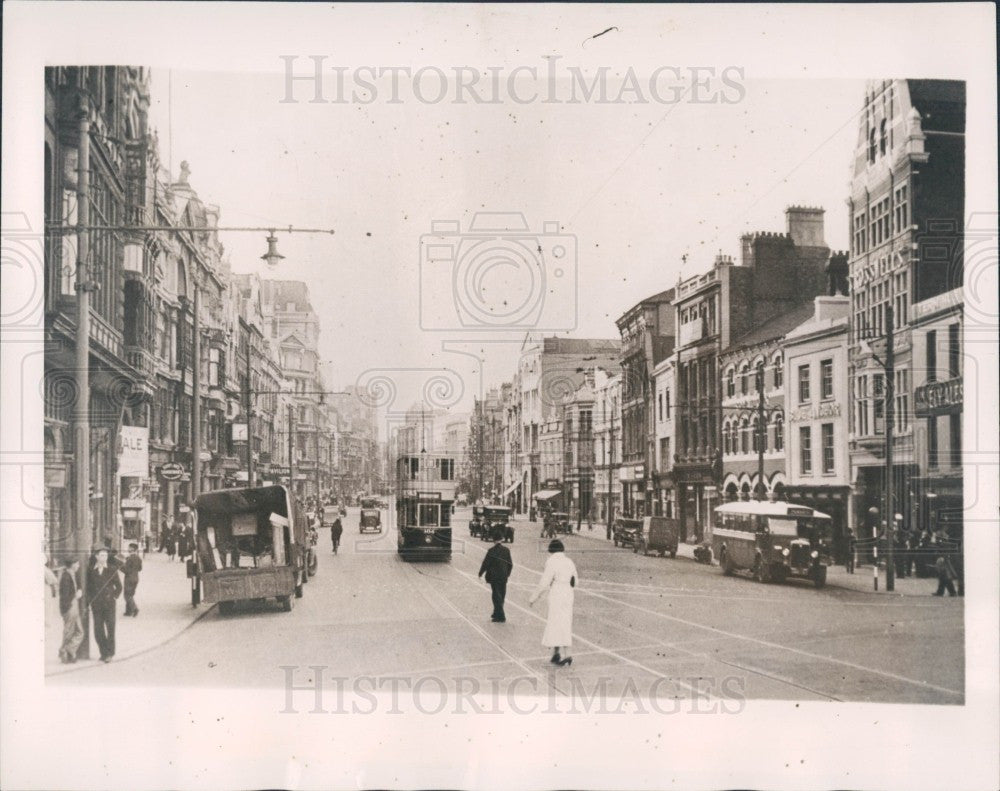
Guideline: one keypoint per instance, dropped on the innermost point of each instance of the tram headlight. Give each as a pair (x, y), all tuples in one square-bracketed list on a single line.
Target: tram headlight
[(785, 552), (814, 554)]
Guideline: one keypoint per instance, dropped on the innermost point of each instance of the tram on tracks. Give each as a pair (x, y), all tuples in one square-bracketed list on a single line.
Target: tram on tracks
[(425, 497)]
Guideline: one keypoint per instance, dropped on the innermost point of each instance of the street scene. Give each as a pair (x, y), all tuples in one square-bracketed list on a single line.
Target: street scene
[(645, 628), (781, 425)]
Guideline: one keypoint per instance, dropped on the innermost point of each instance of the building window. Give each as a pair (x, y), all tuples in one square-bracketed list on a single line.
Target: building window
[(828, 458), (779, 371), (447, 467), (665, 453), (726, 441), (731, 382), (883, 137), (860, 237), (666, 403), (214, 359), (779, 432), (872, 149), (902, 400), (932, 443), (744, 379), (755, 434), (803, 384), (744, 439), (862, 406), (826, 379), (879, 403), (954, 368), (955, 439), (901, 211), (660, 405), (805, 450)]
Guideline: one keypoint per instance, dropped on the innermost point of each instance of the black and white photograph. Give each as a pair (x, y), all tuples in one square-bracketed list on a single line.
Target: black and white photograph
[(499, 396)]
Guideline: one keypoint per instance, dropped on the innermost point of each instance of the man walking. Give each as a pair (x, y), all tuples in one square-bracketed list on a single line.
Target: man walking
[(946, 576), (133, 565), (69, 607), (103, 588), (336, 531), (497, 566)]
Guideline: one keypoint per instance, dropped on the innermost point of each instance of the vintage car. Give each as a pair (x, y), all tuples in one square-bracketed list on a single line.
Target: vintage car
[(625, 531), (658, 534), (495, 517), (251, 544), (370, 520), (554, 522)]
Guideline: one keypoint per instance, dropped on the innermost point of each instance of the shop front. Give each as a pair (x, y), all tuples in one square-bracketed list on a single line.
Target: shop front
[(833, 501)]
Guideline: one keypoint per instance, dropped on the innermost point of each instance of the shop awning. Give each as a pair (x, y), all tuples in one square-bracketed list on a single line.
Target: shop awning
[(547, 494), (510, 489)]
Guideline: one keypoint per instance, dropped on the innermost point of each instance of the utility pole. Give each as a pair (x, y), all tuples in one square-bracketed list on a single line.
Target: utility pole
[(761, 429), (481, 418), (248, 411), (196, 394), (890, 410), (317, 458), (611, 465), (84, 538), (291, 450)]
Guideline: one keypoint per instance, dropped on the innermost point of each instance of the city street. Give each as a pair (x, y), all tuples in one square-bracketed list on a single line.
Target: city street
[(643, 625)]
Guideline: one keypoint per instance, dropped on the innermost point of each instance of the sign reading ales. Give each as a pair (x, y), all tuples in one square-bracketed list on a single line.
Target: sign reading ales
[(938, 398)]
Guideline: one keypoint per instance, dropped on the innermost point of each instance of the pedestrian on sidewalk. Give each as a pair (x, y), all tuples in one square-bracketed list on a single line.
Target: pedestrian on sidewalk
[(69, 607), (103, 588), (497, 566), (946, 576), (171, 542), (336, 531), (133, 565), (558, 579)]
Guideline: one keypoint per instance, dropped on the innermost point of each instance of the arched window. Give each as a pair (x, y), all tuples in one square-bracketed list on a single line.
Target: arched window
[(731, 382), (744, 439), (755, 434), (883, 137), (871, 145), (758, 375), (779, 370), (727, 439), (779, 432), (744, 379)]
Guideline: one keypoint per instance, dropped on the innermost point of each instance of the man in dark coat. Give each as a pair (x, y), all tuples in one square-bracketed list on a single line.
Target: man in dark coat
[(133, 565), (497, 566), (336, 531), (103, 588)]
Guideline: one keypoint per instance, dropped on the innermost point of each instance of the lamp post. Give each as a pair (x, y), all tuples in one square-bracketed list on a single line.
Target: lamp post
[(889, 511)]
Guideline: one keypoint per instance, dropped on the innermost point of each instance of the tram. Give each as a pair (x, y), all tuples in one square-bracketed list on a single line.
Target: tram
[(425, 497)]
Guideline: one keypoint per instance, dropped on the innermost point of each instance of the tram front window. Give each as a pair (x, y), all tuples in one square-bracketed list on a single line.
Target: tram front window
[(429, 515)]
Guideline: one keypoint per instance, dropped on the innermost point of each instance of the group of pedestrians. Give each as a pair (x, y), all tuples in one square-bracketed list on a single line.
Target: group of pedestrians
[(107, 578), (558, 582), (176, 540), (918, 553)]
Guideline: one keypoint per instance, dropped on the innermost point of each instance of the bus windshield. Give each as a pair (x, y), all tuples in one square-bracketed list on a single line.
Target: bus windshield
[(782, 527)]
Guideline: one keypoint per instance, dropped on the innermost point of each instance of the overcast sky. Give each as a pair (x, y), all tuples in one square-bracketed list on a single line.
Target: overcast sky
[(634, 185)]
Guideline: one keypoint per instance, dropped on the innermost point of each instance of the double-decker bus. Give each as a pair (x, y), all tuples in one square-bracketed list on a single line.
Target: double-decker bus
[(424, 498)]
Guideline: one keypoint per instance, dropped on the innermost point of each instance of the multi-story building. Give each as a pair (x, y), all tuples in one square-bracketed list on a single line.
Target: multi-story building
[(484, 458), (817, 401), (907, 211), (549, 374), (665, 503), (294, 327), (755, 363), (647, 333), (607, 419), (938, 376), (776, 273)]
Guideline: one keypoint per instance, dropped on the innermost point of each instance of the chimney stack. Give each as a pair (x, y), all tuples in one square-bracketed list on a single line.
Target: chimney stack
[(805, 226)]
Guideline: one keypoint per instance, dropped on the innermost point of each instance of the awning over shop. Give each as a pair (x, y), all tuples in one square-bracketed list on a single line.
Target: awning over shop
[(547, 494), (510, 489)]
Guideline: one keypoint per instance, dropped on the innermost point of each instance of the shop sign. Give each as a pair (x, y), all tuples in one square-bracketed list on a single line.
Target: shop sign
[(133, 502), (133, 452), (938, 398), (171, 471)]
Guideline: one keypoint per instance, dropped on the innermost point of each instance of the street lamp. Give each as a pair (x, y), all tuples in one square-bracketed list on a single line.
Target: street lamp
[(272, 257)]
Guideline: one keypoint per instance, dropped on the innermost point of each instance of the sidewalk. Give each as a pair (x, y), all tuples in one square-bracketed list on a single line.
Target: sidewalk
[(164, 602), (836, 576)]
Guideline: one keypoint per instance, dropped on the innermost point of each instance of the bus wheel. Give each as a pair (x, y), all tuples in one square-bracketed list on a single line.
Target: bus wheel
[(287, 602), (298, 586)]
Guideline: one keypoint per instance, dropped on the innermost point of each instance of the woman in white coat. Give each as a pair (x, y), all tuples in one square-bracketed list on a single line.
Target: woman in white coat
[(559, 579)]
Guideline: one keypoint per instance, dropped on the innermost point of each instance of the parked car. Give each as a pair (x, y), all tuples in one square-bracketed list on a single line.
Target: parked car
[(625, 531), (658, 534)]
